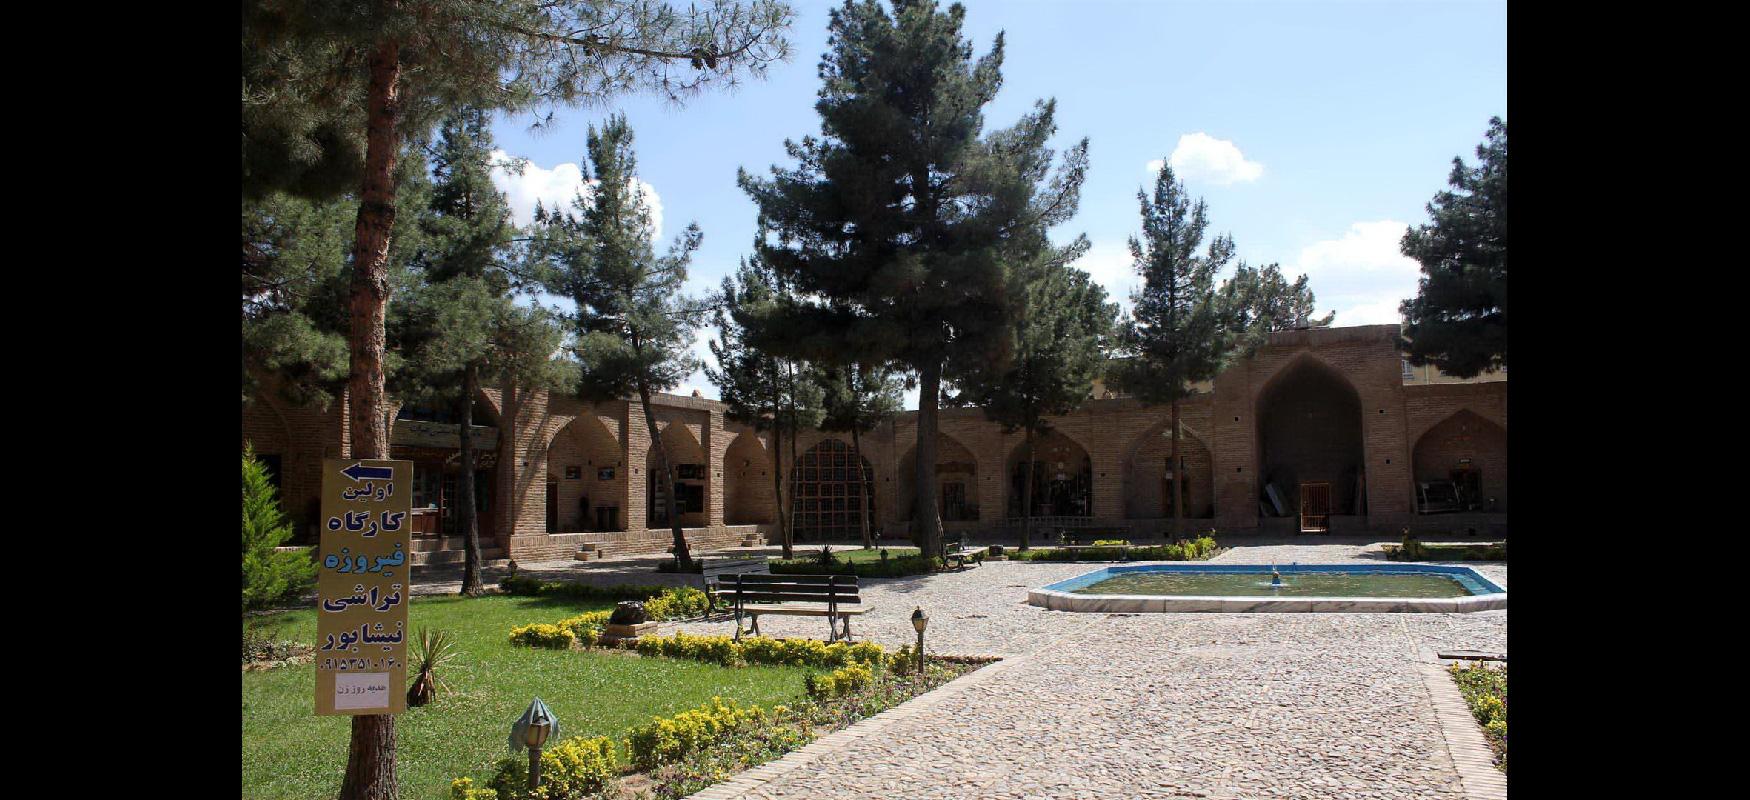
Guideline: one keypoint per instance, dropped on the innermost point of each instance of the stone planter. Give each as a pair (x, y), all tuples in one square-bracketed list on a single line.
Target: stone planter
[(614, 633)]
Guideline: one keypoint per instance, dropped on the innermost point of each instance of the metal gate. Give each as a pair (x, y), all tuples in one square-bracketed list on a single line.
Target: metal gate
[(1315, 507)]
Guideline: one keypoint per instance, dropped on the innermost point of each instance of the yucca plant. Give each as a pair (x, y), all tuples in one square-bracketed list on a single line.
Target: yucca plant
[(436, 648)]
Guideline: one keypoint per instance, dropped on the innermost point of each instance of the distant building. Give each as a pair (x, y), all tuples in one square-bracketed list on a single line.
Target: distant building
[(1329, 417)]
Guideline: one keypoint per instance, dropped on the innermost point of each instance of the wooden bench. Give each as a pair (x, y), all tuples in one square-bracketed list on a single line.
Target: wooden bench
[(835, 597), (954, 549), (713, 572)]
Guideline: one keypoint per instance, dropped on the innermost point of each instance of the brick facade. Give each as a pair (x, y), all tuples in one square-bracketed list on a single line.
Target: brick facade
[(1330, 405)]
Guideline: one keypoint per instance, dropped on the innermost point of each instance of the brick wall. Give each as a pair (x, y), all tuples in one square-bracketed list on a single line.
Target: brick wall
[(1349, 379)]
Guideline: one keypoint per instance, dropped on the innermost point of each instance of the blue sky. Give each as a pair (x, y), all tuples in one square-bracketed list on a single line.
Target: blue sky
[(1316, 131)]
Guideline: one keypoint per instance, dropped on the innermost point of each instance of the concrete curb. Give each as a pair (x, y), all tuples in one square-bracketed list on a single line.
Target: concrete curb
[(1470, 752)]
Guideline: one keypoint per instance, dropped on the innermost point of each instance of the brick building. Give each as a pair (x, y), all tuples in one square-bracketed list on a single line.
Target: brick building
[(1330, 417)]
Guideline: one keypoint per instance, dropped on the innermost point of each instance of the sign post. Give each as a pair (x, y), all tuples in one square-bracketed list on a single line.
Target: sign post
[(362, 587)]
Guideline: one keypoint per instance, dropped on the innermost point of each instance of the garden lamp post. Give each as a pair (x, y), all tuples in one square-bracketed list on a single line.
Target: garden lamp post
[(531, 731), (920, 621)]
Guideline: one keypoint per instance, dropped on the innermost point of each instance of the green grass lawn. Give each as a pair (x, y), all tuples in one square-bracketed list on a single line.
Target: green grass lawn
[(855, 556), (289, 752)]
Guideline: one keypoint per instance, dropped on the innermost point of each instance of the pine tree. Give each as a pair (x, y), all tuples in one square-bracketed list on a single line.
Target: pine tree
[(268, 575), (760, 389), (1179, 333), (1259, 302), (1458, 319), (331, 89), (858, 398), (893, 223), (634, 330), (461, 313), (1060, 331)]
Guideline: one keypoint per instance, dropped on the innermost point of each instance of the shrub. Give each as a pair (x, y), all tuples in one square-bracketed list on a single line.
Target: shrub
[(269, 576), (893, 567), (587, 627), (666, 740), (838, 683), (463, 789), (575, 769), (1111, 542), (680, 602), (763, 650), (531, 587), (540, 635)]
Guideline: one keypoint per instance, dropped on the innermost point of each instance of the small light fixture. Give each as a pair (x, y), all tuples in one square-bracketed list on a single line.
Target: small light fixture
[(531, 731), (920, 621)]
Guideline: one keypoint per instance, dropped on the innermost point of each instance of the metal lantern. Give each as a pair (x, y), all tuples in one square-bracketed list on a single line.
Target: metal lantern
[(920, 621), (531, 731)]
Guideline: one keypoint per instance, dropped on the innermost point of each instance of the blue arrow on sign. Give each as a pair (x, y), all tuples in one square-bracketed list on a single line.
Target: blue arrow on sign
[(358, 472)]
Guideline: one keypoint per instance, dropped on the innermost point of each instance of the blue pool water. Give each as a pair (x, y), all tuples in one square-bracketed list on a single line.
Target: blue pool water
[(1253, 580)]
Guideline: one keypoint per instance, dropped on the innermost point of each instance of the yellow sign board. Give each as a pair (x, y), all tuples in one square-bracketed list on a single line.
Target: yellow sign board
[(362, 586)]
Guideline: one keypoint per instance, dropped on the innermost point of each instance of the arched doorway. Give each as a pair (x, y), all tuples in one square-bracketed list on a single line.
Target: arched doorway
[(833, 487), (1063, 478), (586, 481), (1309, 432), (956, 481), (687, 459), (747, 482), (1471, 452), (1150, 494)]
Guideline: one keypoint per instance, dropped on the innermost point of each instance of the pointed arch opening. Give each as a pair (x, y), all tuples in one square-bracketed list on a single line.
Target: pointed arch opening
[(1150, 495), (832, 490), (1309, 435), (586, 478), (1063, 477), (747, 482), (686, 457), (956, 481), (1470, 452)]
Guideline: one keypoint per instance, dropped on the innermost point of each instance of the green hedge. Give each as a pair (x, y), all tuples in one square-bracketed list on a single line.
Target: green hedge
[(531, 587), (1182, 550), (884, 568)]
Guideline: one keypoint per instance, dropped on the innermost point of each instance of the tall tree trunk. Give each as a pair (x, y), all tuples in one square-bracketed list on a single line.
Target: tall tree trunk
[(370, 760), (790, 539), (787, 418), (1027, 496), (784, 513), (928, 533), (1178, 479), (682, 557), (469, 521), (862, 486)]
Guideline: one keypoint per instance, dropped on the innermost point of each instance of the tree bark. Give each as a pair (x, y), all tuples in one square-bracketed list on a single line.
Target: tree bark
[(862, 487), (469, 521), (778, 483), (370, 761), (928, 533), (790, 539), (1178, 477), (682, 557), (1027, 496)]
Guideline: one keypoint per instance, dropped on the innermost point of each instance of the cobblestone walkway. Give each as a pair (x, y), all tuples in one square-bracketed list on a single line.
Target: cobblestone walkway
[(1152, 705)]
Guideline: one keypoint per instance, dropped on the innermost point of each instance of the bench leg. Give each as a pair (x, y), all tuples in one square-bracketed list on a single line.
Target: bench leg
[(738, 625), (756, 624), (847, 621)]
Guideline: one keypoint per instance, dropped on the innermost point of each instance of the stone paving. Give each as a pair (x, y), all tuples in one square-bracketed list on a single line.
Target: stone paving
[(1140, 705), (1153, 705)]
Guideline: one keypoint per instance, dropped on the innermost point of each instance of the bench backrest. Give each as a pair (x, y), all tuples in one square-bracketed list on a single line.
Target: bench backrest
[(833, 590), (737, 566)]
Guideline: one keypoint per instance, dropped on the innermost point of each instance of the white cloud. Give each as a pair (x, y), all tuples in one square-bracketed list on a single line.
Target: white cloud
[(1200, 156), (1110, 265), (1361, 274), (555, 188)]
